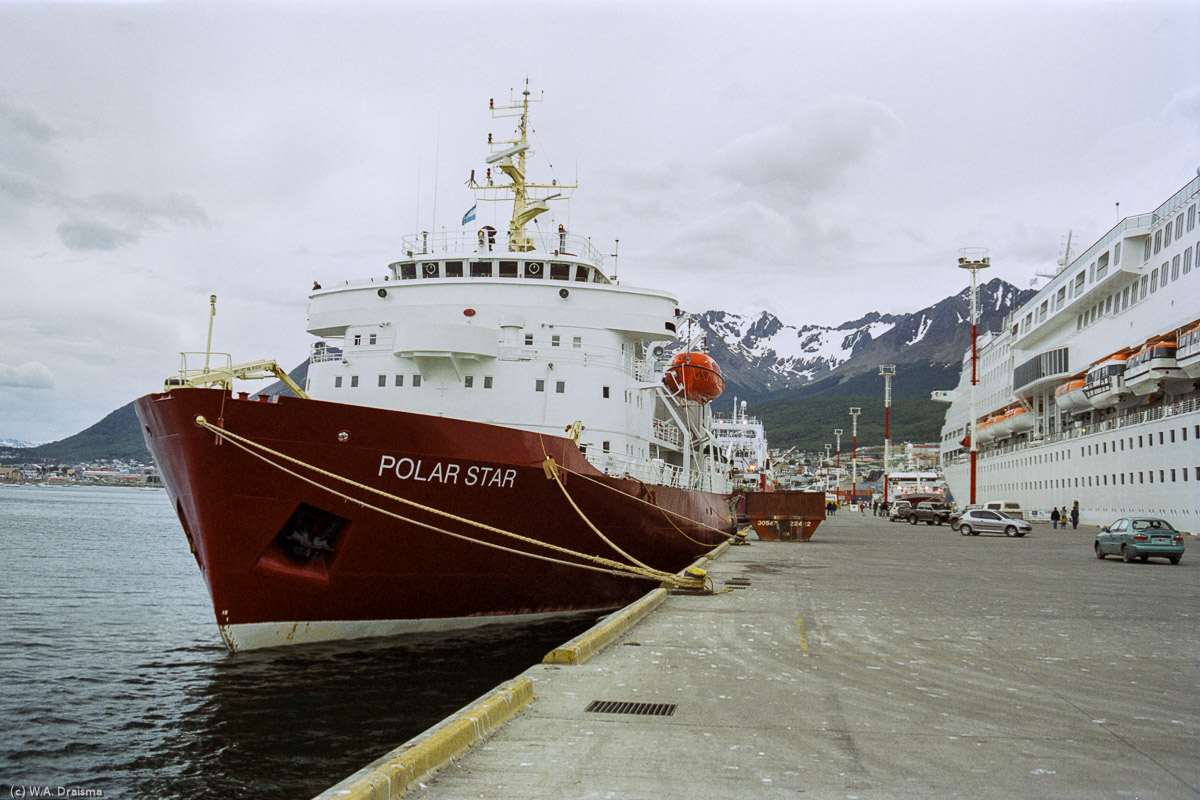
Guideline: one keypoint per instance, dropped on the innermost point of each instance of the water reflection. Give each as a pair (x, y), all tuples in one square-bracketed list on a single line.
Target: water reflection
[(291, 722)]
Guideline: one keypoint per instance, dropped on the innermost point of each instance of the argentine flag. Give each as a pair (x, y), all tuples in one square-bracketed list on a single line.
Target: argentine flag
[(470, 215)]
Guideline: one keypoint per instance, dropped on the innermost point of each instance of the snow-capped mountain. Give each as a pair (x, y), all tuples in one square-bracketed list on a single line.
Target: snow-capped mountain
[(19, 444), (762, 354)]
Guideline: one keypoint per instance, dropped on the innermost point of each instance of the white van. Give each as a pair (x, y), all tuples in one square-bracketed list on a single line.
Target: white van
[(1009, 508)]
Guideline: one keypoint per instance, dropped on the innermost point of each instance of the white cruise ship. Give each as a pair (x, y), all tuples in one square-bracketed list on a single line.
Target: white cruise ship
[(1090, 394)]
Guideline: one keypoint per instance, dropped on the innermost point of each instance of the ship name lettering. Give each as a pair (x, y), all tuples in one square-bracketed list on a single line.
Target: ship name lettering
[(446, 472)]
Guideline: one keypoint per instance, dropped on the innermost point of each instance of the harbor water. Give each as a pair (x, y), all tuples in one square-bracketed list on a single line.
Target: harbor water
[(116, 683)]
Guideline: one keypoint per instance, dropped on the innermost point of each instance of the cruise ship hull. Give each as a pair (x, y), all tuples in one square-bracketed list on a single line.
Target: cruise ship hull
[(296, 555)]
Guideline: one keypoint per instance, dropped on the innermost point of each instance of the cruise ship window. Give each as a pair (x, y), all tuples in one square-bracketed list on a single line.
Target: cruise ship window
[(560, 387), (1187, 261), (1179, 226), (483, 269), (373, 338), (577, 342), (1154, 280), (1164, 274), (529, 340), (1172, 476), (539, 385), (416, 381), (1175, 268), (1157, 242), (487, 381), (1146, 255), (1191, 218), (1160, 438), (353, 381), (337, 382), (1108, 305), (604, 390), (607, 446), (399, 380), (555, 340), (383, 380), (1117, 253), (468, 381), (454, 269), (357, 339), (1167, 236)]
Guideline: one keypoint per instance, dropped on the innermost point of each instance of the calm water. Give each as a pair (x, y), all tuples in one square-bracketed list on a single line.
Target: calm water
[(113, 676)]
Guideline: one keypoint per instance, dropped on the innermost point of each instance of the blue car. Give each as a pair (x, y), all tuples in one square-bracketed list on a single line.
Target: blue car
[(1140, 537)]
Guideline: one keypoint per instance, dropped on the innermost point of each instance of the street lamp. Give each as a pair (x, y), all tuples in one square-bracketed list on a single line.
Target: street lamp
[(854, 412), (888, 371), (974, 259), (837, 432)]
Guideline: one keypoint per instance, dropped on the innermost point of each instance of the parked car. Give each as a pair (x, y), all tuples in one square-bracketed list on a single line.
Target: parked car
[(1009, 508), (898, 512), (957, 513), (930, 513), (1140, 537), (984, 520)]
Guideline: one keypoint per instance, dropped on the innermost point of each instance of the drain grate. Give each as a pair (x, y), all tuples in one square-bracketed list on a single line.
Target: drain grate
[(624, 707)]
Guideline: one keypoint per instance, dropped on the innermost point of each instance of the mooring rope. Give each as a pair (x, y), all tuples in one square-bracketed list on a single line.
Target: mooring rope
[(613, 567)]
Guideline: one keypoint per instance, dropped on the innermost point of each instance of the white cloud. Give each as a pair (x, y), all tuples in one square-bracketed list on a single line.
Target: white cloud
[(31, 375)]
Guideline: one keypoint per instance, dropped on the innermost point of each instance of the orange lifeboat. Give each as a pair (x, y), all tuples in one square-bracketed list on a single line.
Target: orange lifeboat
[(694, 375)]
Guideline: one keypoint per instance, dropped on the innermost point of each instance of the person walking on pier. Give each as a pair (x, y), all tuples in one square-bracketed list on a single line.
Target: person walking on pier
[(1075, 515), (1055, 517)]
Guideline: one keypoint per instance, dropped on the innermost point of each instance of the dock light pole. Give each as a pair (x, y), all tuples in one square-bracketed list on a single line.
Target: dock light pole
[(837, 432), (888, 371), (827, 449), (854, 412), (974, 259)]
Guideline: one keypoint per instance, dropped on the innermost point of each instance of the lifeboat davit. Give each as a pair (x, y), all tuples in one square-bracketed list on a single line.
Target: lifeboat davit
[(1071, 398), (695, 376), (1148, 370), (1188, 354)]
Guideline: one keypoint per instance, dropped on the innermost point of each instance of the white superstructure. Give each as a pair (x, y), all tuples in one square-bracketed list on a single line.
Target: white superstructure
[(520, 329), (1127, 439), (743, 441)]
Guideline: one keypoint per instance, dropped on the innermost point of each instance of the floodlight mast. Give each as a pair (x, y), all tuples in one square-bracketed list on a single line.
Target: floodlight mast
[(888, 371), (854, 412), (837, 432), (974, 259)]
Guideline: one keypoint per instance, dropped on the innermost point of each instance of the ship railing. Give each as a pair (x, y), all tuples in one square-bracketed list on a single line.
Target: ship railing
[(212, 362), (320, 352), (667, 433), (653, 471), (496, 244), (1128, 419)]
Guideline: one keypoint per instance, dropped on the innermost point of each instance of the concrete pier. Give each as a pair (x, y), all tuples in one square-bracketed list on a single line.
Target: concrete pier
[(880, 660)]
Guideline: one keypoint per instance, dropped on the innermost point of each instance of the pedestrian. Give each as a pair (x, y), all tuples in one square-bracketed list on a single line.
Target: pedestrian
[(1075, 515), (1055, 517), (316, 286)]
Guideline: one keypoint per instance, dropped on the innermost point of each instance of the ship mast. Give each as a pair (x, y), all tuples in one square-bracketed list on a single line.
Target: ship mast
[(510, 159)]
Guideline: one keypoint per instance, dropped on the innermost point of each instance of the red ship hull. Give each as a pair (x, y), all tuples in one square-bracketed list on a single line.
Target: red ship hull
[(289, 561)]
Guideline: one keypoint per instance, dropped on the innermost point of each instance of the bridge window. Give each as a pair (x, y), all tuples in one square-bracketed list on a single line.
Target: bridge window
[(508, 269), (483, 269), (560, 272), (408, 272), (581, 273), (533, 269), (454, 269)]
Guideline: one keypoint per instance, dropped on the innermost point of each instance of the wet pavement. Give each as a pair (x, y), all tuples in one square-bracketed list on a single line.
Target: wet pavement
[(880, 660)]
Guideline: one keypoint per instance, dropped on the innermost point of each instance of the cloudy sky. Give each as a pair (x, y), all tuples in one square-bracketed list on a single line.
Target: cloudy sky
[(817, 160)]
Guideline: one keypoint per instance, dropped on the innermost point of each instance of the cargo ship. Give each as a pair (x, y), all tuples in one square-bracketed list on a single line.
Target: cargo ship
[(490, 430), (1089, 394)]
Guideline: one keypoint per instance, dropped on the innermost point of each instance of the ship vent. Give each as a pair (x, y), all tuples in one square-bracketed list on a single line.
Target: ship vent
[(624, 707)]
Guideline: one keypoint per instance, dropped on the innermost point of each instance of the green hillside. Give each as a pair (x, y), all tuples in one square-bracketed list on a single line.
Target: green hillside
[(806, 417), (117, 436)]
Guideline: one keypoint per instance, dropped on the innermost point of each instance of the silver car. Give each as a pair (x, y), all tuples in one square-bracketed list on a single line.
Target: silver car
[(982, 520)]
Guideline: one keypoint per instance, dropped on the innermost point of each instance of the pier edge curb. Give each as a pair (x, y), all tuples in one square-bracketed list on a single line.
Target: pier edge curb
[(418, 758)]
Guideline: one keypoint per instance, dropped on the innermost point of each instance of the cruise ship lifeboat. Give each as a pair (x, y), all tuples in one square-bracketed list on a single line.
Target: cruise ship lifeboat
[(1002, 426), (695, 376), (1105, 383), (1070, 397), (985, 430), (1019, 420), (1152, 368), (1188, 354)]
